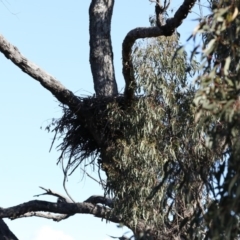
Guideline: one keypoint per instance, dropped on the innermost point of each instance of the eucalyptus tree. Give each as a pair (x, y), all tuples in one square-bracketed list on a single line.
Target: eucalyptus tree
[(146, 140), (217, 114)]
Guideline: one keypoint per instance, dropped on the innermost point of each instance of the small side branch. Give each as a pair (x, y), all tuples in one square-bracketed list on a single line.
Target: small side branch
[(160, 10), (162, 30), (60, 197)]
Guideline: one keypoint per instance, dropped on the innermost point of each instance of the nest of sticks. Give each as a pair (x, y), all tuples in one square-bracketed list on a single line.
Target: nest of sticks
[(86, 133)]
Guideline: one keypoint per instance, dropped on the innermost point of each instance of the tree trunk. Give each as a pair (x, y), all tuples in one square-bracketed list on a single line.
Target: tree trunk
[(101, 55)]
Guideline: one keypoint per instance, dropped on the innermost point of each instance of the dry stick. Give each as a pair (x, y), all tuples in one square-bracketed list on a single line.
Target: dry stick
[(51, 193), (102, 184), (64, 181)]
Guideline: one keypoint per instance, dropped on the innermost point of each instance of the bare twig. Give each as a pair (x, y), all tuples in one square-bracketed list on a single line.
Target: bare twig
[(94, 179), (65, 170), (55, 194)]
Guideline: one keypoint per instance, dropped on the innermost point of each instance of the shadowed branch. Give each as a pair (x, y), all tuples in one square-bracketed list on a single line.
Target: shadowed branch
[(162, 30)]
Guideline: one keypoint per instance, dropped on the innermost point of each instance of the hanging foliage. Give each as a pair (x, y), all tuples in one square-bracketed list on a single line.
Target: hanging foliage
[(218, 102), (160, 164), (156, 163)]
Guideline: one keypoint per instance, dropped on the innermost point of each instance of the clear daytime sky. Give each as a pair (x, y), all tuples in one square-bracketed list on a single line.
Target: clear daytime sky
[(54, 35)]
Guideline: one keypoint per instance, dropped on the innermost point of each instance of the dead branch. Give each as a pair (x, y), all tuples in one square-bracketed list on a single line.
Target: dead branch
[(164, 30), (60, 197), (59, 208), (62, 210), (46, 80), (54, 217), (101, 182)]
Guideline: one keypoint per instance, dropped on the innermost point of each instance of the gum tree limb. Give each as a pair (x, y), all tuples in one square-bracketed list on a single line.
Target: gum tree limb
[(162, 30)]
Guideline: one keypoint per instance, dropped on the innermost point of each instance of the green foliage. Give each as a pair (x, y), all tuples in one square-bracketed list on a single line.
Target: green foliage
[(218, 106), (158, 163), (169, 163)]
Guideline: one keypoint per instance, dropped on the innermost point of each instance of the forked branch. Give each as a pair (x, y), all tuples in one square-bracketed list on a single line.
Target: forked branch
[(60, 197), (162, 30)]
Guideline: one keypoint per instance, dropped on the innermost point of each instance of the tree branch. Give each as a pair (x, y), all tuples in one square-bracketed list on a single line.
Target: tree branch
[(58, 208), (137, 33), (65, 210), (60, 197), (47, 81), (101, 55), (100, 199), (95, 199), (54, 217)]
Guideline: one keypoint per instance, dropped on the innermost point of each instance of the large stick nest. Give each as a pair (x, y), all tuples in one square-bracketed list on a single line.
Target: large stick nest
[(84, 134)]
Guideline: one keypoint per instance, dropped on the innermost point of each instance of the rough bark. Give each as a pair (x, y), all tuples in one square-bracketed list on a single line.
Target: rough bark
[(57, 208), (95, 205), (5, 232), (101, 55), (137, 33), (62, 210), (62, 94)]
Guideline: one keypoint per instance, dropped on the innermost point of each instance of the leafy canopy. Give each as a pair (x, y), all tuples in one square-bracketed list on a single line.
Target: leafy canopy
[(218, 102)]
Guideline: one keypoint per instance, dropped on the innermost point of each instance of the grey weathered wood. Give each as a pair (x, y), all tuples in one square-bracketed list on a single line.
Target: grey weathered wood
[(63, 95), (101, 54)]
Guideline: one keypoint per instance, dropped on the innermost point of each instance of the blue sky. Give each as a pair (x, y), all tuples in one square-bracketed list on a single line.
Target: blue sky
[(54, 35)]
